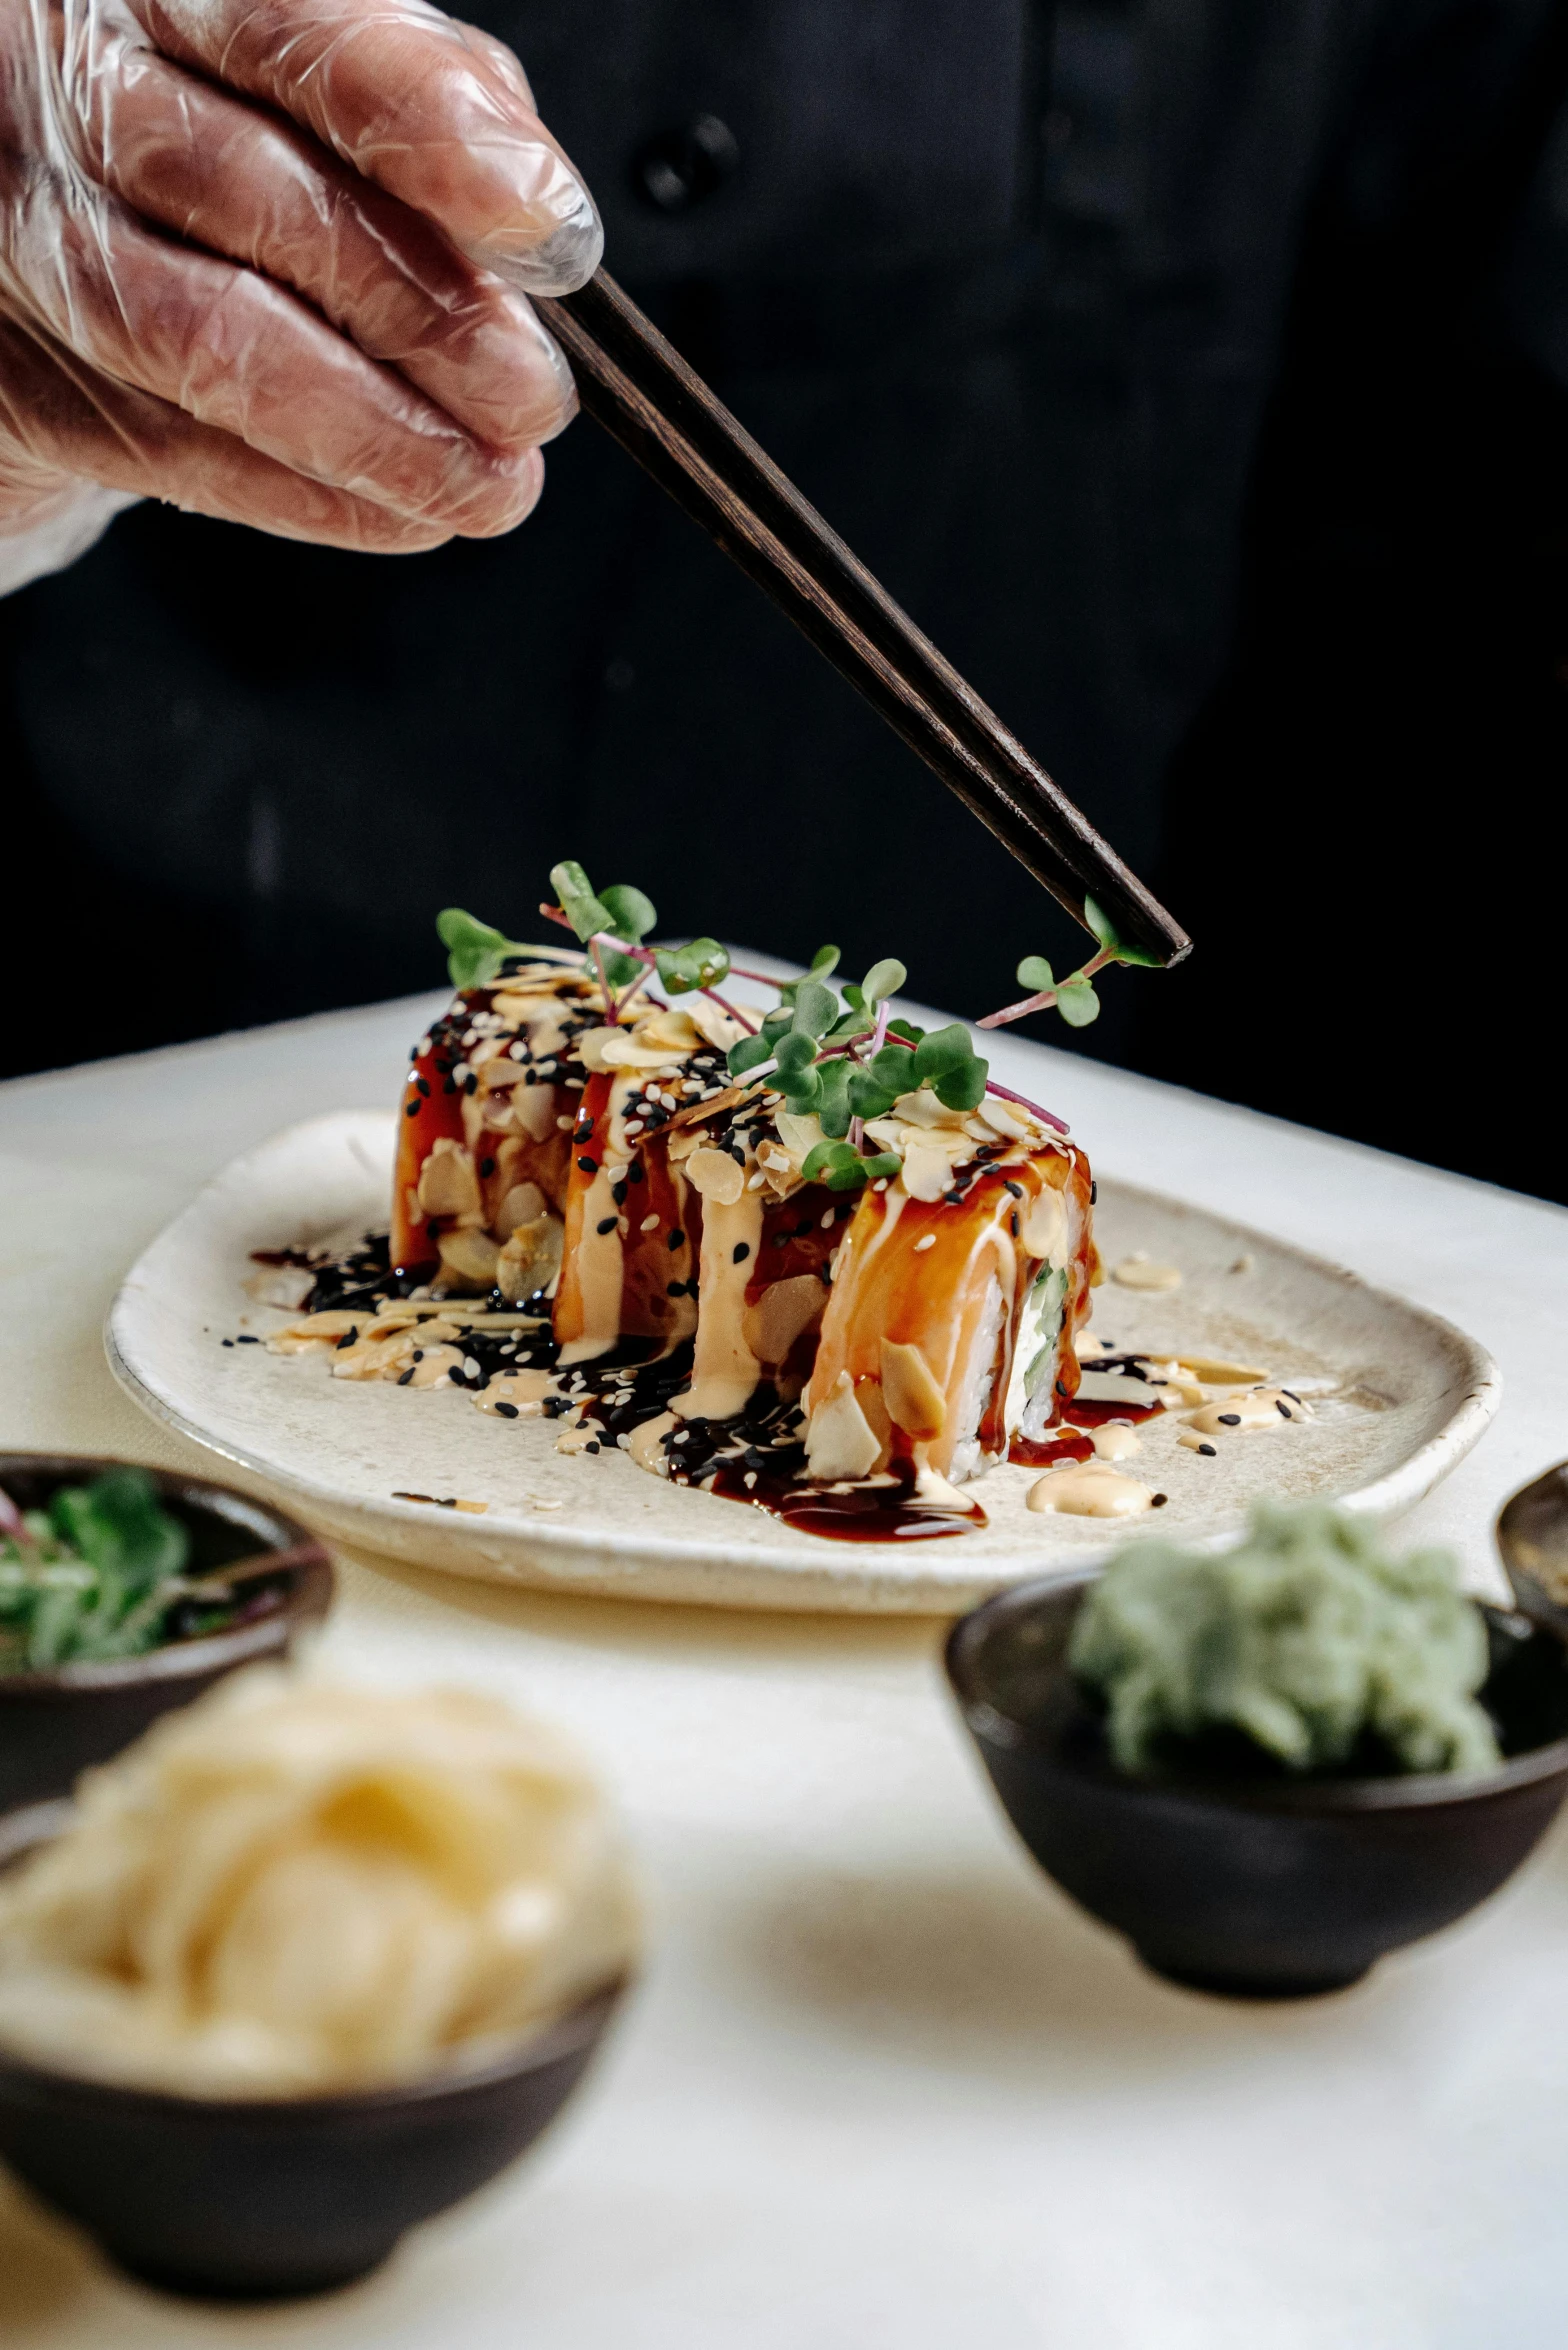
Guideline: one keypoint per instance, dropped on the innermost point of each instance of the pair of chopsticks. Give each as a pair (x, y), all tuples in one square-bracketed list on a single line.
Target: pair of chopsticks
[(639, 388)]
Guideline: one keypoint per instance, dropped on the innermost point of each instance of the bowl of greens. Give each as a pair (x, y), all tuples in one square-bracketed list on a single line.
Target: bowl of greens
[(126, 1591), (1267, 1767)]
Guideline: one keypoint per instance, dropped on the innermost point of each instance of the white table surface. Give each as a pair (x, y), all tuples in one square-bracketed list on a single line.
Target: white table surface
[(882, 2086)]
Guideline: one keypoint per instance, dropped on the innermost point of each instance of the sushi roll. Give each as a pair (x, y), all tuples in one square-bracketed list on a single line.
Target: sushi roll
[(484, 1149), (810, 1252)]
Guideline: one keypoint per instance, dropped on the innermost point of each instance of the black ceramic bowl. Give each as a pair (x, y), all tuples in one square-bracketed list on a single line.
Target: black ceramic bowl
[(266, 2200), (54, 1724), (1265, 1888)]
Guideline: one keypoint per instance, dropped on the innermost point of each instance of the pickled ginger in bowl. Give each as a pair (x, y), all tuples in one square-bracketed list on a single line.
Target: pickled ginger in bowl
[(297, 1888)]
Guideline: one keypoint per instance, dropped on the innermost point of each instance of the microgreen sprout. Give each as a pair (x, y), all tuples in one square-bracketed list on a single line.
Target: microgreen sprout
[(834, 1054), (1074, 997)]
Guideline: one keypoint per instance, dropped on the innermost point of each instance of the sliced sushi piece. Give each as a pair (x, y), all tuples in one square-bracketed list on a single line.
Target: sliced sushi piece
[(483, 1147), (633, 1227), (954, 1297)]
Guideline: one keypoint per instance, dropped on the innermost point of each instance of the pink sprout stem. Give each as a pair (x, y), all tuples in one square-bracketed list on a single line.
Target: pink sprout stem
[(1024, 1103), (1047, 996)]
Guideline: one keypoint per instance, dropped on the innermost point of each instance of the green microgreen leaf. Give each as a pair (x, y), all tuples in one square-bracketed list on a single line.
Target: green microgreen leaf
[(631, 914), (801, 1088), (905, 1028), (868, 1096), (1035, 973), (854, 996), (894, 1068), (585, 912), (748, 1054), (1077, 1002), (794, 1052), (945, 1048), (682, 970), (822, 962), (883, 979), (834, 1096), (816, 1008), (852, 1025), (1106, 932), (777, 1023), (962, 1088), (475, 951)]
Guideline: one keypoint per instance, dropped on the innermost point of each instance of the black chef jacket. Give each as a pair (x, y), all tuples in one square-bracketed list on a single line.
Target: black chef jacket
[(1006, 288)]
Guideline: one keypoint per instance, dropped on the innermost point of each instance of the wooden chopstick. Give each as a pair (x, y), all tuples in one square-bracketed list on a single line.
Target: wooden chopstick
[(640, 389)]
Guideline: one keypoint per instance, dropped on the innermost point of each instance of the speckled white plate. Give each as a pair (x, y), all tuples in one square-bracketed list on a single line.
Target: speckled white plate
[(1398, 1395)]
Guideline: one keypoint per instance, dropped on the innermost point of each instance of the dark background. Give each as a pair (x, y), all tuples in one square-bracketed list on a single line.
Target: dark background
[(1244, 500)]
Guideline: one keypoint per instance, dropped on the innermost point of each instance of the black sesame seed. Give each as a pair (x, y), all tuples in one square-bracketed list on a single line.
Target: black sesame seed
[(1157, 1501), (1013, 1219), (675, 1289), (470, 1086), (677, 1238), (1016, 1189), (592, 1444), (228, 1342), (1283, 1410), (618, 1194), (589, 1166), (487, 1166), (1293, 1398), (405, 1376), (422, 1084), (347, 1339), (606, 1224), (1094, 1201), (412, 1110), (740, 1252), (1207, 1450), (1230, 1419), (508, 1411), (449, 1087), (553, 1406)]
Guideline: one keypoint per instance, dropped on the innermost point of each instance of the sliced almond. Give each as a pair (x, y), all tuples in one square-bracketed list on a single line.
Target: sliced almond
[(716, 1175), (469, 1256), (523, 1204), (531, 1257), (782, 1314), (841, 1441), (1137, 1272), (448, 1180), (1215, 1372), (914, 1401), (374, 1358)]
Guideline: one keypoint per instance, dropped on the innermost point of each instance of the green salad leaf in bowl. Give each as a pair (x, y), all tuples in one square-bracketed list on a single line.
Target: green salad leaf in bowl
[(98, 1575)]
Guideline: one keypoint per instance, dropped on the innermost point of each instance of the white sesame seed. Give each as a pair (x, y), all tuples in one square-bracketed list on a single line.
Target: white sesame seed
[(928, 1242), (566, 1124), (649, 1224), (826, 1218)]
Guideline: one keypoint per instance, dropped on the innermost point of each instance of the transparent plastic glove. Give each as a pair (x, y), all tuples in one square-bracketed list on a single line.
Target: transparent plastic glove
[(268, 259)]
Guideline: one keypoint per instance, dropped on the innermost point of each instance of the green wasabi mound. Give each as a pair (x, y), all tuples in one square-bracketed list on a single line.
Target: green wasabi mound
[(1307, 1639)]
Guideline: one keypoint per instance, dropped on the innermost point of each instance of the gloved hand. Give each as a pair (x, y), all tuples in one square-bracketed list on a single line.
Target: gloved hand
[(267, 259)]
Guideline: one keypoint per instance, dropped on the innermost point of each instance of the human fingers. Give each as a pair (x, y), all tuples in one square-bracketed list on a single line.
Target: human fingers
[(240, 353), (396, 90), (59, 421), (224, 175)]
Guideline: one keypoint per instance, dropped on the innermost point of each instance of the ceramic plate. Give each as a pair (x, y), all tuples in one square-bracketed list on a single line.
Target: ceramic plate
[(1398, 1397)]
